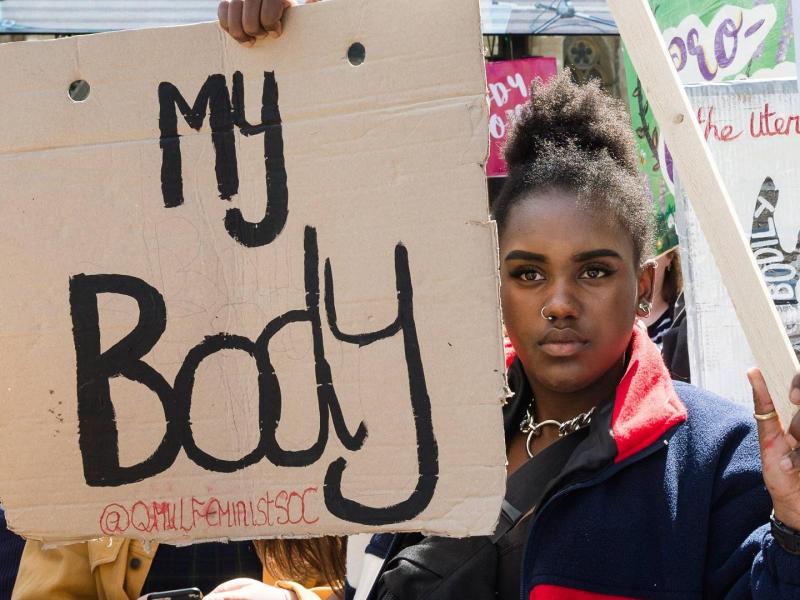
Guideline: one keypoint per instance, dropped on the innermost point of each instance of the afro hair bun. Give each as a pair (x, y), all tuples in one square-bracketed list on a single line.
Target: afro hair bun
[(561, 113), (578, 139)]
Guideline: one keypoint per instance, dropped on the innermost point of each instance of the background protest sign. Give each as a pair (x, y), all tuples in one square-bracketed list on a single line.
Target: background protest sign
[(708, 41), (740, 273), (753, 130), (251, 291), (509, 83)]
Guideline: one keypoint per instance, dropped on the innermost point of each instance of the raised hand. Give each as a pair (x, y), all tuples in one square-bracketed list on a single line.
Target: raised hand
[(248, 20), (780, 462)]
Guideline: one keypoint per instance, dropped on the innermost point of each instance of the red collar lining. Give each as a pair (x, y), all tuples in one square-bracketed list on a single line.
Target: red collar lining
[(646, 405)]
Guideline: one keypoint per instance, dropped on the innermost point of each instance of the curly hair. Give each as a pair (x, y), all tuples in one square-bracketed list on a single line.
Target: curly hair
[(578, 139)]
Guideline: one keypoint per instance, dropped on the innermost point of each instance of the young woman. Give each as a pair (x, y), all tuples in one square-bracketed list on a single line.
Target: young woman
[(667, 323), (667, 288), (664, 495)]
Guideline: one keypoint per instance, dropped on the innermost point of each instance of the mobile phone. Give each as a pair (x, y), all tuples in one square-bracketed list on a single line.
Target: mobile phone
[(182, 594)]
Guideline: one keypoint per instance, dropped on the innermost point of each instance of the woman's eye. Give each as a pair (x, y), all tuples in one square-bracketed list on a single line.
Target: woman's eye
[(529, 276), (594, 273)]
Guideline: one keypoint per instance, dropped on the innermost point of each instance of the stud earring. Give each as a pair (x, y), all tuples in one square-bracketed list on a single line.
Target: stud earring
[(644, 308)]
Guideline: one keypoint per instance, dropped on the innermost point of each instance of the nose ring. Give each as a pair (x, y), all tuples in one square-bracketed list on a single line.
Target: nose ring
[(551, 318)]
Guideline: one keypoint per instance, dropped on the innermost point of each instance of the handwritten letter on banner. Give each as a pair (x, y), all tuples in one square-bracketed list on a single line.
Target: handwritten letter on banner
[(251, 292)]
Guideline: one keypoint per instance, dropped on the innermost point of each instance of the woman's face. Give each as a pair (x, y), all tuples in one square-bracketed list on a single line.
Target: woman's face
[(583, 272)]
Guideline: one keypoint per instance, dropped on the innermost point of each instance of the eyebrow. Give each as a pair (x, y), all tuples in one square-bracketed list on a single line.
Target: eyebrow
[(523, 255), (580, 257), (599, 253)]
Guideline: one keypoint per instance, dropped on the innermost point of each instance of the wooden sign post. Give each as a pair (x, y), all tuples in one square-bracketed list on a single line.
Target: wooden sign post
[(706, 190)]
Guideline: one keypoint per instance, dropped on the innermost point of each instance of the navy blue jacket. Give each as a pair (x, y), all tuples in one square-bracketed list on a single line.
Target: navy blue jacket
[(684, 517), (11, 546), (671, 503), (664, 499)]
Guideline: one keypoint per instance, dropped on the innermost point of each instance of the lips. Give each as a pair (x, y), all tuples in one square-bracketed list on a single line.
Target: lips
[(562, 342)]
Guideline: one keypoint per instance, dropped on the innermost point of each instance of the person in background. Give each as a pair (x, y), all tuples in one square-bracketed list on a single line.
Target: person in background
[(123, 569), (667, 323)]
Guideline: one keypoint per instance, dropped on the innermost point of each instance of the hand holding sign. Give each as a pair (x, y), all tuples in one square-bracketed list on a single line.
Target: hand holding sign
[(248, 20), (779, 461)]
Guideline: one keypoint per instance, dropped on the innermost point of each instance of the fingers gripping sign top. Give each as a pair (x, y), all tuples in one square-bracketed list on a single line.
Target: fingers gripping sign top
[(248, 20)]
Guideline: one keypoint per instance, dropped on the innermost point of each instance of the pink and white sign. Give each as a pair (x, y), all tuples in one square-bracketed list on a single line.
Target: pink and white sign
[(509, 83)]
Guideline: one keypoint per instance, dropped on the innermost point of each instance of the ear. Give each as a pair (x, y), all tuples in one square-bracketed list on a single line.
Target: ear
[(645, 286)]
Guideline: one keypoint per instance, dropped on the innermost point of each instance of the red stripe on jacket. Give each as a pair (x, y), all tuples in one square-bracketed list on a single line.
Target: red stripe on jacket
[(554, 592)]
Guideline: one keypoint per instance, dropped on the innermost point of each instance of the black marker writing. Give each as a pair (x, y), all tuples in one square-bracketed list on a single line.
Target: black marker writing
[(427, 449), (225, 112), (98, 431)]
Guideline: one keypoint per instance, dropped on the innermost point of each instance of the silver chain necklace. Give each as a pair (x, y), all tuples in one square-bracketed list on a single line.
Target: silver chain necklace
[(534, 429)]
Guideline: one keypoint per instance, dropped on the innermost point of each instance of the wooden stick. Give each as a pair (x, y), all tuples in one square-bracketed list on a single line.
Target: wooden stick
[(709, 198)]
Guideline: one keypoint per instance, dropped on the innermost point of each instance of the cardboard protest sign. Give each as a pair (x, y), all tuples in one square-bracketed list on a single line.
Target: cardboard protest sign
[(753, 131), (509, 83), (251, 292)]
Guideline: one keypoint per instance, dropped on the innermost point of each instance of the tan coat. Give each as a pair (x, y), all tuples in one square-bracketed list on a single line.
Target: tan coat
[(102, 569)]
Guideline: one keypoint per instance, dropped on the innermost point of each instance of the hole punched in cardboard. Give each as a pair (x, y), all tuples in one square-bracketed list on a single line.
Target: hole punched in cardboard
[(356, 53), (79, 90)]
